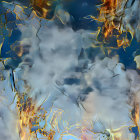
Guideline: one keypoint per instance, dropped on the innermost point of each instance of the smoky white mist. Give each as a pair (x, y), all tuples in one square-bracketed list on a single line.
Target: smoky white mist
[(103, 88), (61, 76)]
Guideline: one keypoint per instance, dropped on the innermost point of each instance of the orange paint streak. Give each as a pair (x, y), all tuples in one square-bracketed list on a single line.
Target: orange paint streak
[(29, 116), (42, 7), (107, 15), (111, 17), (136, 115), (124, 42)]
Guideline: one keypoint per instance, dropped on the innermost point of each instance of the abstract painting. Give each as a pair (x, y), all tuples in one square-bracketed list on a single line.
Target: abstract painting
[(69, 70)]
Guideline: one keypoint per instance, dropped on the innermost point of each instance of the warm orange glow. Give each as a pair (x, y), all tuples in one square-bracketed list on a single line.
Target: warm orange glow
[(135, 115), (111, 16), (124, 42), (51, 135), (42, 7), (107, 15), (29, 116)]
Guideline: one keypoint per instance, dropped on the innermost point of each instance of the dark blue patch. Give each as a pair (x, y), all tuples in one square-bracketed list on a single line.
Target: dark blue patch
[(70, 81), (135, 131), (10, 17), (126, 56), (16, 34)]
